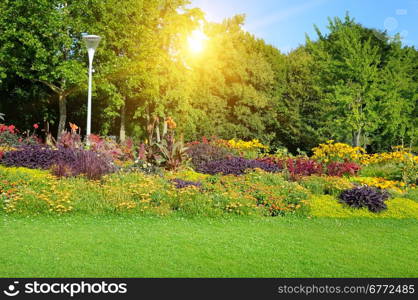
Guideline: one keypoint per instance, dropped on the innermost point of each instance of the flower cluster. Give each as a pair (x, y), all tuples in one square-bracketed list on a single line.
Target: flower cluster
[(337, 152), (381, 183), (258, 190), (4, 128), (243, 145), (32, 191), (128, 205), (248, 149), (400, 154), (170, 123)]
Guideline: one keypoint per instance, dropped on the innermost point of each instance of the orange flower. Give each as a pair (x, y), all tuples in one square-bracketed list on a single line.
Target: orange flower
[(73, 127), (170, 123)]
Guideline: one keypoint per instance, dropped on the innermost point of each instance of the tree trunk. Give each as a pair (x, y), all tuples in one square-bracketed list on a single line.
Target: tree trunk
[(62, 102), (122, 132), (357, 141)]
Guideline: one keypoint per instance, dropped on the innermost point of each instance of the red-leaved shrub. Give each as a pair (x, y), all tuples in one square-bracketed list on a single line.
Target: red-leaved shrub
[(303, 167), (340, 169)]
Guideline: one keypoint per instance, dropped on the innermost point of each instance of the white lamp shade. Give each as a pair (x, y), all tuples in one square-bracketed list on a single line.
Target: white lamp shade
[(92, 41)]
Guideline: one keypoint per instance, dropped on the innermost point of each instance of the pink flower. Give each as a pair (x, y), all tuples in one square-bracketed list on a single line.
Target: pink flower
[(36, 126)]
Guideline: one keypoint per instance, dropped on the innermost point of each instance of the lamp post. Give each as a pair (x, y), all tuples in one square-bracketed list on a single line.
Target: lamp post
[(92, 41)]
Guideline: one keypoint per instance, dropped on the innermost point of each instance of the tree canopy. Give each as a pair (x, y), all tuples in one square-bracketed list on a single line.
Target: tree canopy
[(352, 83)]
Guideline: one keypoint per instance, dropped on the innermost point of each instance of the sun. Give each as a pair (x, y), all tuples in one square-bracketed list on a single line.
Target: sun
[(197, 41)]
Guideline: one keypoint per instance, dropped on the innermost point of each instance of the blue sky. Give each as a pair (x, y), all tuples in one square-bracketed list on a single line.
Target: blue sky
[(283, 23)]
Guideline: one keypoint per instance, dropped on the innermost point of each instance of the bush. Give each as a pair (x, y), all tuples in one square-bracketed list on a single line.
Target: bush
[(110, 148), (70, 140), (63, 161), (365, 196), (143, 167), (163, 148), (88, 163), (202, 153), (342, 169), (235, 166), (303, 167), (8, 138), (412, 194), (320, 185), (37, 157), (280, 162), (387, 170)]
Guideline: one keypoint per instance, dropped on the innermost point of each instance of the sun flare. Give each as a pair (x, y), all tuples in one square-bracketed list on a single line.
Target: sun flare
[(197, 41)]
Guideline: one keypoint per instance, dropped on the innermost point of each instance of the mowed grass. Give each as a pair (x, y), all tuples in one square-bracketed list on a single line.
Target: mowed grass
[(130, 246)]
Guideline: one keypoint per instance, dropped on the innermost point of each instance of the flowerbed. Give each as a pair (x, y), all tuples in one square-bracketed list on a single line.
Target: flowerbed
[(28, 191), (210, 178)]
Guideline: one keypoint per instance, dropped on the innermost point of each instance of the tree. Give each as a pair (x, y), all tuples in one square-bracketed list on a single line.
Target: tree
[(300, 112), (399, 98), (347, 67), (138, 65), (232, 84), (41, 42)]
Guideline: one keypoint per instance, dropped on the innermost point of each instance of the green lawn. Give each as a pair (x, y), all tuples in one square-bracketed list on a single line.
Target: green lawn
[(80, 246)]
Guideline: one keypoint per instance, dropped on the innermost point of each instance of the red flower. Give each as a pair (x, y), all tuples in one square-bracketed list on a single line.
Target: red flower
[(12, 129), (36, 126)]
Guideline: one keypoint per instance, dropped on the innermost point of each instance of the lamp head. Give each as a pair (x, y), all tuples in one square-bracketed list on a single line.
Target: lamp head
[(92, 41)]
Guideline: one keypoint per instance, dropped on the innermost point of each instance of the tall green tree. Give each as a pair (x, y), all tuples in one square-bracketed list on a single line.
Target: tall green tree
[(138, 67), (399, 98), (40, 41), (347, 66), (233, 84), (300, 112)]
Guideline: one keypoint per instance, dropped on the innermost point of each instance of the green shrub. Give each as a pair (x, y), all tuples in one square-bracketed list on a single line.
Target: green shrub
[(388, 170), (411, 194), (325, 185)]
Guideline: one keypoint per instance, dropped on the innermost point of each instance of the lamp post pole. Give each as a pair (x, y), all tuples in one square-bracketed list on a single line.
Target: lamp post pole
[(92, 41)]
